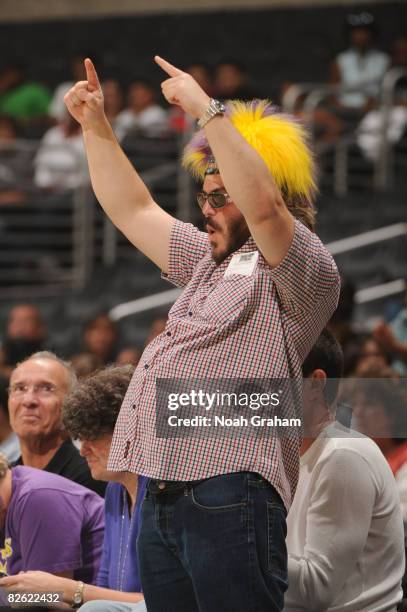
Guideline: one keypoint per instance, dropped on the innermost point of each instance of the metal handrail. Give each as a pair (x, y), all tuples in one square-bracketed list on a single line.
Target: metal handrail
[(378, 292), (318, 91), (381, 234), (335, 248)]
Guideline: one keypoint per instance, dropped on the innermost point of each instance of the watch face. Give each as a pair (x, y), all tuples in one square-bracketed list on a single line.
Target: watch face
[(220, 107)]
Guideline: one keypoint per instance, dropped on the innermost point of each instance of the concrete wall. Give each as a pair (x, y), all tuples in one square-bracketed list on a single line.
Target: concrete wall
[(30, 10)]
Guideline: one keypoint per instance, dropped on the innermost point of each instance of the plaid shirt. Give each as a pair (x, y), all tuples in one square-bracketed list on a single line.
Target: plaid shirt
[(257, 326)]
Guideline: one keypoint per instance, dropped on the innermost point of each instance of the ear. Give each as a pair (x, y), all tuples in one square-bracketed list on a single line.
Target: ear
[(319, 377), (317, 383)]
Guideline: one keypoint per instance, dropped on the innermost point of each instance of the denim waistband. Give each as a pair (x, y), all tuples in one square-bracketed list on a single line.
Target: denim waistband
[(169, 486)]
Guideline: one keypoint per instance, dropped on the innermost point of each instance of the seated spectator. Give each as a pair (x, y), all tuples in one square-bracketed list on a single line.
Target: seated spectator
[(48, 523), (57, 108), (9, 444), (38, 387), (361, 62), (128, 356), (380, 413), (26, 334), (345, 536), (19, 98), (370, 130), (85, 364), (143, 116), (325, 126), (231, 81), (113, 103), (60, 162), (16, 168), (393, 339), (180, 121), (90, 414), (363, 351), (100, 338)]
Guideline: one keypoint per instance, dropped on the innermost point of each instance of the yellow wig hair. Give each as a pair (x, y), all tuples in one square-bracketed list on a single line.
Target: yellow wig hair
[(280, 141)]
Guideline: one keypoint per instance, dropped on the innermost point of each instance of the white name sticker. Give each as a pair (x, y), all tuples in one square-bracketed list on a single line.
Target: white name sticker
[(242, 263)]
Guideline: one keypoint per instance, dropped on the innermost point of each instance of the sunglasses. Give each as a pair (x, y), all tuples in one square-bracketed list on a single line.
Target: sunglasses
[(216, 199)]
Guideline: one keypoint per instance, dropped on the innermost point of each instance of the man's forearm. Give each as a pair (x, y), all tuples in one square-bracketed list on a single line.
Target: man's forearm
[(246, 177), (116, 184)]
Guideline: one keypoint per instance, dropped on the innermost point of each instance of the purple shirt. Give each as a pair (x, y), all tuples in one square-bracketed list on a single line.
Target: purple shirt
[(52, 524)]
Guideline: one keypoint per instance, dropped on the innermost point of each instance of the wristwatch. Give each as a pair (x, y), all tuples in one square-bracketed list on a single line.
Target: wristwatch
[(216, 107), (78, 595)]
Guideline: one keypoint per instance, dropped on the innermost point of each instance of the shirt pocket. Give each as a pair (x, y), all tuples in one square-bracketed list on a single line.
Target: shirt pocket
[(229, 301)]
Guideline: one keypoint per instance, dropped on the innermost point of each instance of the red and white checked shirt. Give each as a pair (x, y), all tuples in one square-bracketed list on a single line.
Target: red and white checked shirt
[(257, 326)]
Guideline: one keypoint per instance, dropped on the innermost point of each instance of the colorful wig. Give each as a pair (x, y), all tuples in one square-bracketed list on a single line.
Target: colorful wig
[(279, 140)]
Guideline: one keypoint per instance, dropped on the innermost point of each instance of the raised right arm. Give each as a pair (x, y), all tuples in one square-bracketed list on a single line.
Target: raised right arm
[(117, 186)]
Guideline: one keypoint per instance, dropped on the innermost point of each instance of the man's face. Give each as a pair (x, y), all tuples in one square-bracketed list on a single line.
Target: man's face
[(361, 38), (100, 337), (37, 390), (226, 226), (96, 453), (25, 322)]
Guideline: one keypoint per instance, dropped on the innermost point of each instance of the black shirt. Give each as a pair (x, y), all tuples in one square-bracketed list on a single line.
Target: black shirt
[(68, 462)]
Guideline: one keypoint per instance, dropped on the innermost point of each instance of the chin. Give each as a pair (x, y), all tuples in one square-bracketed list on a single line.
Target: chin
[(97, 474)]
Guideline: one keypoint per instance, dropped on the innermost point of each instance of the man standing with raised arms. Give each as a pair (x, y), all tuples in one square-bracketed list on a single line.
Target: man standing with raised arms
[(259, 287)]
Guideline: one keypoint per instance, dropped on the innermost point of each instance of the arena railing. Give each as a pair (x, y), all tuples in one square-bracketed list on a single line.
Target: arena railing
[(45, 237), (49, 242), (338, 247)]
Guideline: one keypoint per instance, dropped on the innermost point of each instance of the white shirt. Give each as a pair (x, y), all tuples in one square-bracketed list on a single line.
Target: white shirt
[(345, 536), (60, 162), (401, 482), (369, 133), (153, 121), (356, 68)]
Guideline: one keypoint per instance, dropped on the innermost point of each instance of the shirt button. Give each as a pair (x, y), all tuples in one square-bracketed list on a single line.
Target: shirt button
[(146, 366), (161, 485), (190, 313), (134, 406), (126, 450), (168, 334)]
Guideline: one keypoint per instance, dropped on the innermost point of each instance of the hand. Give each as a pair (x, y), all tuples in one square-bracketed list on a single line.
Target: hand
[(182, 89), (33, 582), (85, 99), (385, 337)]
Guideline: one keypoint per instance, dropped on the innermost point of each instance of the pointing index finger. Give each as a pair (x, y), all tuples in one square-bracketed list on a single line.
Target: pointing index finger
[(91, 75), (167, 67)]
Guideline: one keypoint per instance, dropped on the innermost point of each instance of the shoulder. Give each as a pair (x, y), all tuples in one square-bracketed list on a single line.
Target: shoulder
[(378, 55), (352, 450), (345, 56)]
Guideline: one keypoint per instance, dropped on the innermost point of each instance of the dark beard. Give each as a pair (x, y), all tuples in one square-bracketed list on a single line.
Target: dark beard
[(237, 234)]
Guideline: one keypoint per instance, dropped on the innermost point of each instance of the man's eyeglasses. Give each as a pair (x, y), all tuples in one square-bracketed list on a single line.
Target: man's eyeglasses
[(216, 199)]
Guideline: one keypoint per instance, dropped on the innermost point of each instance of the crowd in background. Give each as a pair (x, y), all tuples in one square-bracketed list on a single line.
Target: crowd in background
[(96, 372), (136, 109)]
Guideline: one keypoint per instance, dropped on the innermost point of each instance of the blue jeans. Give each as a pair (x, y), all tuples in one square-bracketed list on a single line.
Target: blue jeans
[(217, 545)]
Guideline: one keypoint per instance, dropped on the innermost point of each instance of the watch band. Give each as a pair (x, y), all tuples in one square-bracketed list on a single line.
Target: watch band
[(78, 595), (215, 108)]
